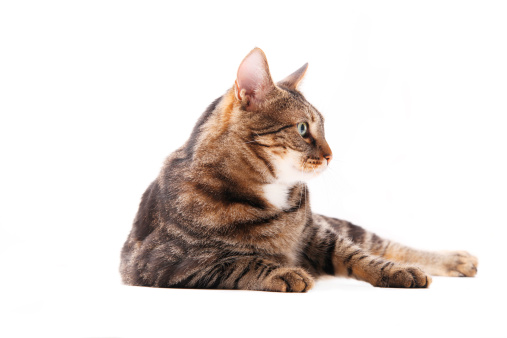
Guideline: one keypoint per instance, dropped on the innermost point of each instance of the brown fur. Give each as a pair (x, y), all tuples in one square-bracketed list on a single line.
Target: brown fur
[(217, 215)]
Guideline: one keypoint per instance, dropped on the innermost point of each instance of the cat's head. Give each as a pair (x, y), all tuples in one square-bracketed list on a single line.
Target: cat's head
[(276, 121)]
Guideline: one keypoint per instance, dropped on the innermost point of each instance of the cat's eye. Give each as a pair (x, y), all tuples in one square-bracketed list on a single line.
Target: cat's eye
[(303, 129)]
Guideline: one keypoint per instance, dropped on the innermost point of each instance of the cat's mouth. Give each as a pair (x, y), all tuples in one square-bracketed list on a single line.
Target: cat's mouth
[(313, 167), (294, 168), (313, 164)]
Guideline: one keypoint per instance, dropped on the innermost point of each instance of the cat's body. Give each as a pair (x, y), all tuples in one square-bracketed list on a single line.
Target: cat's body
[(230, 208)]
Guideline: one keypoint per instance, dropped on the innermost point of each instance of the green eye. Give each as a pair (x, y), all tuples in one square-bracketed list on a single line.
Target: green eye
[(303, 129)]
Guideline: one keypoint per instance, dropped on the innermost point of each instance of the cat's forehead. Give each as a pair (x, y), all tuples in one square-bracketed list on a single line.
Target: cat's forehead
[(297, 107), (315, 115)]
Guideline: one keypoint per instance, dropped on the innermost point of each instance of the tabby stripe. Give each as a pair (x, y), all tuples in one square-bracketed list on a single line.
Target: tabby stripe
[(270, 270), (276, 131), (385, 249), (259, 221), (309, 222), (228, 255), (311, 238), (328, 262), (261, 272), (295, 208), (258, 263), (348, 246), (312, 260), (293, 148), (222, 277), (218, 280), (205, 282), (241, 275), (356, 233), (256, 143), (184, 282), (349, 257), (267, 268), (376, 239), (376, 243), (289, 289), (229, 273), (384, 266), (266, 162), (340, 240), (186, 230)]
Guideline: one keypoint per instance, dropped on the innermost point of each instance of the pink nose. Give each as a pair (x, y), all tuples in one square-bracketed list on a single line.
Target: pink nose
[(328, 157)]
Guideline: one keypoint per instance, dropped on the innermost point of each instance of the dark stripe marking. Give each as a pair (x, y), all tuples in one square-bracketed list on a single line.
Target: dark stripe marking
[(241, 275), (276, 131), (349, 257), (328, 262)]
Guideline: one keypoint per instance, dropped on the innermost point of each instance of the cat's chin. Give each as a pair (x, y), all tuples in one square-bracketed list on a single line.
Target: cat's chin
[(289, 170), (291, 174), (312, 173)]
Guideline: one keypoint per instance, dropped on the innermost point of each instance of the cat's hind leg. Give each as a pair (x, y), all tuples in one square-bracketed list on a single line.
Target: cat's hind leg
[(437, 263)]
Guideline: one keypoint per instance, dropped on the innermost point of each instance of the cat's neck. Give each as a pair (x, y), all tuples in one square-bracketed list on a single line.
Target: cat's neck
[(219, 164), (277, 194)]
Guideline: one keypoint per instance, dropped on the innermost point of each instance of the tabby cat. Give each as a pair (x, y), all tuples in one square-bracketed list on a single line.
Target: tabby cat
[(230, 209)]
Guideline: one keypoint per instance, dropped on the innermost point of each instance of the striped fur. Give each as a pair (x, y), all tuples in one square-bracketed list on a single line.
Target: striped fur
[(230, 208)]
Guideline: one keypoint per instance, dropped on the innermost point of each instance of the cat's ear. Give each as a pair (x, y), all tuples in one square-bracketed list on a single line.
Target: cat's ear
[(292, 81), (253, 82)]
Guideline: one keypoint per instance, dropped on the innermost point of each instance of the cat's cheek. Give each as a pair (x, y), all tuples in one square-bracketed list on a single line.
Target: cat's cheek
[(289, 168), (293, 168)]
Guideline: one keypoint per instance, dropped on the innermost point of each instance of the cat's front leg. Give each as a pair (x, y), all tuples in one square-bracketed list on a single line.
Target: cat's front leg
[(288, 280), (378, 271), (437, 263), (265, 275), (326, 252), (250, 273), (455, 264)]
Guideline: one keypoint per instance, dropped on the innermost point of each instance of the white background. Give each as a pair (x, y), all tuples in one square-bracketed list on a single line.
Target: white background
[(95, 94)]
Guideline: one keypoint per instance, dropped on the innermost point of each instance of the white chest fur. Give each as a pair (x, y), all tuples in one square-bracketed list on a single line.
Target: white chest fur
[(277, 194)]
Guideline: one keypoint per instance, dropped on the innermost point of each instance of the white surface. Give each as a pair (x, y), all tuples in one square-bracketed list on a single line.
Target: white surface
[(336, 307), (95, 94)]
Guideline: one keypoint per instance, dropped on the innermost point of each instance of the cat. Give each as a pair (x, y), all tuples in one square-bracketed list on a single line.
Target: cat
[(230, 209)]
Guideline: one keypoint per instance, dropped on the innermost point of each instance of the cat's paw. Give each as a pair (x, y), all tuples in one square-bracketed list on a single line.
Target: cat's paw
[(288, 280), (400, 276), (458, 264)]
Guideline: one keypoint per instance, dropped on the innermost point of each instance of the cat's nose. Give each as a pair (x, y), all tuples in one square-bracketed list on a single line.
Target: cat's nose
[(326, 151)]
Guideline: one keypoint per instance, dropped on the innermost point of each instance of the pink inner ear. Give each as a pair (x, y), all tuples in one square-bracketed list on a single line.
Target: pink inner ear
[(252, 74)]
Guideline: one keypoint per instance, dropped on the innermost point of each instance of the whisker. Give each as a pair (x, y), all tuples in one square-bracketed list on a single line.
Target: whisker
[(268, 166)]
